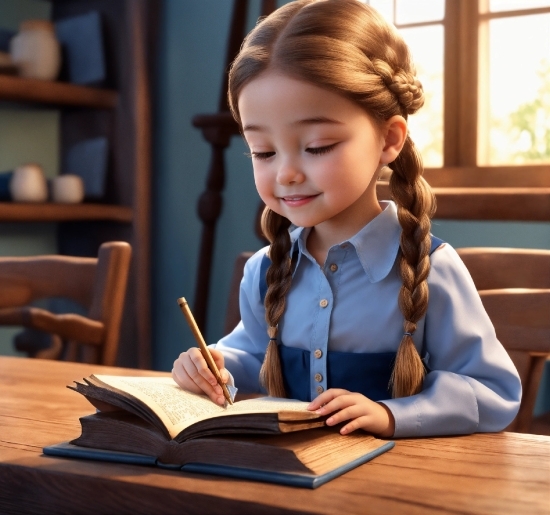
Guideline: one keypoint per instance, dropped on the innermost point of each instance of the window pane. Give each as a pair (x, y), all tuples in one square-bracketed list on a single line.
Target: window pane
[(512, 5), (416, 11), (518, 91), (384, 7), (426, 126)]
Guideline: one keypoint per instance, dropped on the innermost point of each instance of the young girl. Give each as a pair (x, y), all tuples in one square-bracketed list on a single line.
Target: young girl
[(358, 309)]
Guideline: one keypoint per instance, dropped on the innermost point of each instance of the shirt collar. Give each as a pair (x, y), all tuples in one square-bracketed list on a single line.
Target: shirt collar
[(376, 244)]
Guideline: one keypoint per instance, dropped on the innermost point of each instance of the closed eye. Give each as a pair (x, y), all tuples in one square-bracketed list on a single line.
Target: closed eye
[(261, 156), (316, 151)]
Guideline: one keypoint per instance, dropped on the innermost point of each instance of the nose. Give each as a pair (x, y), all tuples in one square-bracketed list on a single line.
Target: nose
[(289, 172)]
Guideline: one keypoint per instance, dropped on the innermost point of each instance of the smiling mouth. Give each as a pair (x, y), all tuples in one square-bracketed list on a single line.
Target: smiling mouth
[(298, 200)]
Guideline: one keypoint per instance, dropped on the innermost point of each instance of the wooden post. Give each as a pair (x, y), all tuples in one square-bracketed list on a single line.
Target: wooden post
[(218, 129)]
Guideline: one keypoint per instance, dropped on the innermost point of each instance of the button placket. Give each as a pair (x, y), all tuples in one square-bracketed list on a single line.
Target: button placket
[(318, 366), (333, 266)]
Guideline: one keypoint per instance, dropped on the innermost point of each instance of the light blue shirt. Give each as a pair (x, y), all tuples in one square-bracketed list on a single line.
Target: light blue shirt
[(351, 305)]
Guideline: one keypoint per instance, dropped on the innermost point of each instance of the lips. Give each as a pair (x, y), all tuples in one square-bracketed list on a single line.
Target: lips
[(298, 200), (291, 198)]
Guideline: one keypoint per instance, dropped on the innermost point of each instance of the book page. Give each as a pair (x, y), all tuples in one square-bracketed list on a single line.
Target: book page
[(272, 405), (179, 409)]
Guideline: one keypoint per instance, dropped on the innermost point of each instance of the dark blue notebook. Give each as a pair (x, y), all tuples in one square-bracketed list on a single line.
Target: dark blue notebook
[(298, 479)]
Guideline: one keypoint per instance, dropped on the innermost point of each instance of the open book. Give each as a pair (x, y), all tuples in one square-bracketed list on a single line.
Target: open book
[(151, 420)]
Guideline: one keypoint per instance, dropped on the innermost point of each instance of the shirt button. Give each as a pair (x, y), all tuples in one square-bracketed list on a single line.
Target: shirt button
[(318, 377), (323, 303), (333, 267), (319, 389), (318, 353), (344, 246)]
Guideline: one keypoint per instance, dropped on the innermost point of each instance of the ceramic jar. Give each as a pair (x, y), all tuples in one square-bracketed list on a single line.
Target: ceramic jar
[(68, 189), (36, 51), (28, 184)]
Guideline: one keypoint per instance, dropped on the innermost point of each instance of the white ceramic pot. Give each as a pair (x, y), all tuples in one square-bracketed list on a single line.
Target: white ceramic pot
[(28, 184), (36, 51), (68, 189)]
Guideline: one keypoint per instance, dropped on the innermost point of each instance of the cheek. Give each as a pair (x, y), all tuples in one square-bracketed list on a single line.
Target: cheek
[(262, 182), (350, 175)]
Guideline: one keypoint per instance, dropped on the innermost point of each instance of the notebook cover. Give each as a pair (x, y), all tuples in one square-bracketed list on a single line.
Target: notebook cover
[(68, 450)]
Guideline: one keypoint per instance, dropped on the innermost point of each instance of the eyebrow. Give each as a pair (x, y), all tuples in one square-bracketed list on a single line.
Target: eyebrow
[(317, 120)]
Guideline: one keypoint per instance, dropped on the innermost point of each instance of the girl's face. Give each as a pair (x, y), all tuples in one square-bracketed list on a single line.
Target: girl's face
[(316, 155)]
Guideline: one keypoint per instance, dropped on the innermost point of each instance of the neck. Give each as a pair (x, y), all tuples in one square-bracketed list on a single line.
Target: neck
[(329, 233)]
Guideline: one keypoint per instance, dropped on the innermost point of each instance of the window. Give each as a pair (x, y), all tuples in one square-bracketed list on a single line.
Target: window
[(485, 66), (514, 93), (421, 23)]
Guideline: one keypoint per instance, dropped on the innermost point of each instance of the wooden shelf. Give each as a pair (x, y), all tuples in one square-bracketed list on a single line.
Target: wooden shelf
[(50, 212), (19, 89), (122, 114)]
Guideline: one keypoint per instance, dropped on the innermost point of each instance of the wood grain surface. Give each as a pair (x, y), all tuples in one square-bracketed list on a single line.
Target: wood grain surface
[(477, 474)]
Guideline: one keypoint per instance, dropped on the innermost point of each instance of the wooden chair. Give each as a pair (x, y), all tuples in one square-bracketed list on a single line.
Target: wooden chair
[(514, 286), (96, 284)]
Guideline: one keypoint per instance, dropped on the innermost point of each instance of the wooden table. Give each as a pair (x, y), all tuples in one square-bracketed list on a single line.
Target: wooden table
[(477, 474)]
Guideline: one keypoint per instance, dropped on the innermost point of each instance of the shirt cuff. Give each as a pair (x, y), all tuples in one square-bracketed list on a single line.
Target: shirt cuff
[(446, 406)]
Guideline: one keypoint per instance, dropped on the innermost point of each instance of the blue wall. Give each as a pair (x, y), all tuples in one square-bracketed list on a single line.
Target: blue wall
[(192, 59)]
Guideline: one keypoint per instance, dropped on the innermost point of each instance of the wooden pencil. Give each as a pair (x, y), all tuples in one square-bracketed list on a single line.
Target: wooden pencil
[(205, 351)]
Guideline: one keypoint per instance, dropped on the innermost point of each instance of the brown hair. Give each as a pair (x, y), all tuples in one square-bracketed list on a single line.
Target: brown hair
[(346, 47)]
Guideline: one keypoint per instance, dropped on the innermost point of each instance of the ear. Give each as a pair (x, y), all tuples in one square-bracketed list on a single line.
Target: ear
[(395, 134)]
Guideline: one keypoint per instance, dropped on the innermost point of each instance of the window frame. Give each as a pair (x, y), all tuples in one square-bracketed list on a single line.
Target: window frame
[(466, 53), (464, 189)]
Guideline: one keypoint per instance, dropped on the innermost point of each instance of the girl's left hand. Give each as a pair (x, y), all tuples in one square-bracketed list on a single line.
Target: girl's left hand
[(364, 414)]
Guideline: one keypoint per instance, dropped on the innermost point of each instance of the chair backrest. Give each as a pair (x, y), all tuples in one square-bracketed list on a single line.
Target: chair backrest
[(97, 284), (514, 286)]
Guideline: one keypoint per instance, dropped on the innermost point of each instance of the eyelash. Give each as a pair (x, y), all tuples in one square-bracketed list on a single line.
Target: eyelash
[(261, 156), (316, 151)]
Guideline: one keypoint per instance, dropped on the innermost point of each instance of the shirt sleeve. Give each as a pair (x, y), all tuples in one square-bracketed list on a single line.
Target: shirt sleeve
[(472, 384), (244, 348)]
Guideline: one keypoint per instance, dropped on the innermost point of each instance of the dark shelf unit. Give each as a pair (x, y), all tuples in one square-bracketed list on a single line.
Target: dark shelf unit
[(120, 109)]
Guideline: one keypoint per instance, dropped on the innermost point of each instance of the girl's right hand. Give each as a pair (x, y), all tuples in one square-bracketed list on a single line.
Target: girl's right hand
[(191, 372)]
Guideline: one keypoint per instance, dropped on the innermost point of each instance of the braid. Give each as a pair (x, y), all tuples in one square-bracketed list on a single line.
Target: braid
[(403, 84), (279, 276), (416, 206)]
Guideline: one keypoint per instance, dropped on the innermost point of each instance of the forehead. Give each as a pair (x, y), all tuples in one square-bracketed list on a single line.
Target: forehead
[(274, 98)]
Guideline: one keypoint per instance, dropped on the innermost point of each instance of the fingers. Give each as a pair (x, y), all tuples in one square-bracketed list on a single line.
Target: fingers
[(378, 420), (358, 418), (362, 413), (218, 358), (220, 363), (224, 373), (191, 372), (325, 398)]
